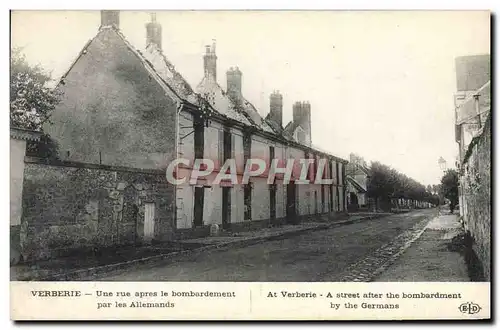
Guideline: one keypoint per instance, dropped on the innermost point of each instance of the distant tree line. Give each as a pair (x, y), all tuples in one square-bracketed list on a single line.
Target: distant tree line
[(386, 186)]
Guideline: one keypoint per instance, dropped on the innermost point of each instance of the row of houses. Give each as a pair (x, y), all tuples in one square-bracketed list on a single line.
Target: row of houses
[(125, 114)]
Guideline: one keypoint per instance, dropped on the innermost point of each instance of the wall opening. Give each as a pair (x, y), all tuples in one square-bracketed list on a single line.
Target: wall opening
[(331, 198), (272, 200), (227, 146), (322, 198), (199, 138), (290, 202), (248, 201), (199, 195), (247, 146), (226, 207), (149, 222)]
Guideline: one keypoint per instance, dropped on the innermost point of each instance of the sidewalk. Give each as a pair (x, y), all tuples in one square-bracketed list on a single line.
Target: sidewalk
[(436, 256), (78, 266)]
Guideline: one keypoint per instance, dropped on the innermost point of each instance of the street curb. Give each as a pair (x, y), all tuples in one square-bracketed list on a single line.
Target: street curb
[(396, 256), (99, 270)]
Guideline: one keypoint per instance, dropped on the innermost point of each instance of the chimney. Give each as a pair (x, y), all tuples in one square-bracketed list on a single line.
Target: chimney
[(276, 107), (110, 18), (234, 82), (210, 62), (302, 117), (297, 112), (153, 32)]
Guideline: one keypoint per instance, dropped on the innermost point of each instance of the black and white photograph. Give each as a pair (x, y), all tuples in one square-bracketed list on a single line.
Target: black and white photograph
[(250, 146)]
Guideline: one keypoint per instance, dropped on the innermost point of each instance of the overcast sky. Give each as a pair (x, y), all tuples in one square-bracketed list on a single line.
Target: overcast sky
[(380, 84)]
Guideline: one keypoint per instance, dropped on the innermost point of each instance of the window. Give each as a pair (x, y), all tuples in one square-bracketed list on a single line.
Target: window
[(247, 146), (306, 156), (227, 145), (271, 157), (332, 170), (337, 172), (315, 166), (199, 139)]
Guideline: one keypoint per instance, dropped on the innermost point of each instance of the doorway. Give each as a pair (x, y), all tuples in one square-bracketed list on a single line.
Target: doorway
[(149, 222), (226, 207), (316, 211), (199, 195), (272, 201), (290, 202), (322, 198)]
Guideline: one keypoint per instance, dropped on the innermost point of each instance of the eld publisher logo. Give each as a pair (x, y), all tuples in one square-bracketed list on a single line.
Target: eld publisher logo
[(469, 308)]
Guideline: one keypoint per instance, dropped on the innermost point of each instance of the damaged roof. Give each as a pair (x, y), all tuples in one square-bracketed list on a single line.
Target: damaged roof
[(255, 116), (167, 72), (175, 85), (219, 100)]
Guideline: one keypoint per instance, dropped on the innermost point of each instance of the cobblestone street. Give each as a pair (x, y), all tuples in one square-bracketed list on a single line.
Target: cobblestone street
[(352, 252)]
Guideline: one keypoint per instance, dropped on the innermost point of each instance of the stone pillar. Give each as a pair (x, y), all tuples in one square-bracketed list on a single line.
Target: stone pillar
[(18, 141)]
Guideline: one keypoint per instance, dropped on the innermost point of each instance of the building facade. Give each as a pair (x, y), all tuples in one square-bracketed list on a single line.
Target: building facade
[(357, 174), (125, 115), (473, 136)]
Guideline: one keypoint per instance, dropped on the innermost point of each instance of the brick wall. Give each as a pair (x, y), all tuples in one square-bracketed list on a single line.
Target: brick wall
[(72, 206), (475, 184)]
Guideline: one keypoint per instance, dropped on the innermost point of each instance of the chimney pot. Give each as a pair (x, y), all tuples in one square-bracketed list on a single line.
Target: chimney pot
[(153, 32), (110, 18), (302, 117), (234, 82), (210, 62), (276, 107)]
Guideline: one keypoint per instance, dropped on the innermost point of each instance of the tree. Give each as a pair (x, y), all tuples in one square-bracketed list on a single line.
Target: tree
[(380, 185), (31, 100), (449, 186)]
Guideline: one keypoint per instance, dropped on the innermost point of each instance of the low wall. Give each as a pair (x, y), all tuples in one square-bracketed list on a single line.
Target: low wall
[(475, 185), (68, 207)]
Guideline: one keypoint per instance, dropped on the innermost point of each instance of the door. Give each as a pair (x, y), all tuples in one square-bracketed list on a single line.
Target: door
[(226, 207), (199, 195), (272, 201), (338, 198), (331, 198), (127, 230), (149, 222), (290, 202), (322, 198), (316, 202)]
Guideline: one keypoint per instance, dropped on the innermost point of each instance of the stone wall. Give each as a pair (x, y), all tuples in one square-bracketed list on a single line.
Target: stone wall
[(74, 206), (475, 185)]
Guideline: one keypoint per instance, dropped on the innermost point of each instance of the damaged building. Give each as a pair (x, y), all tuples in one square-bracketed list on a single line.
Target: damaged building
[(125, 114)]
